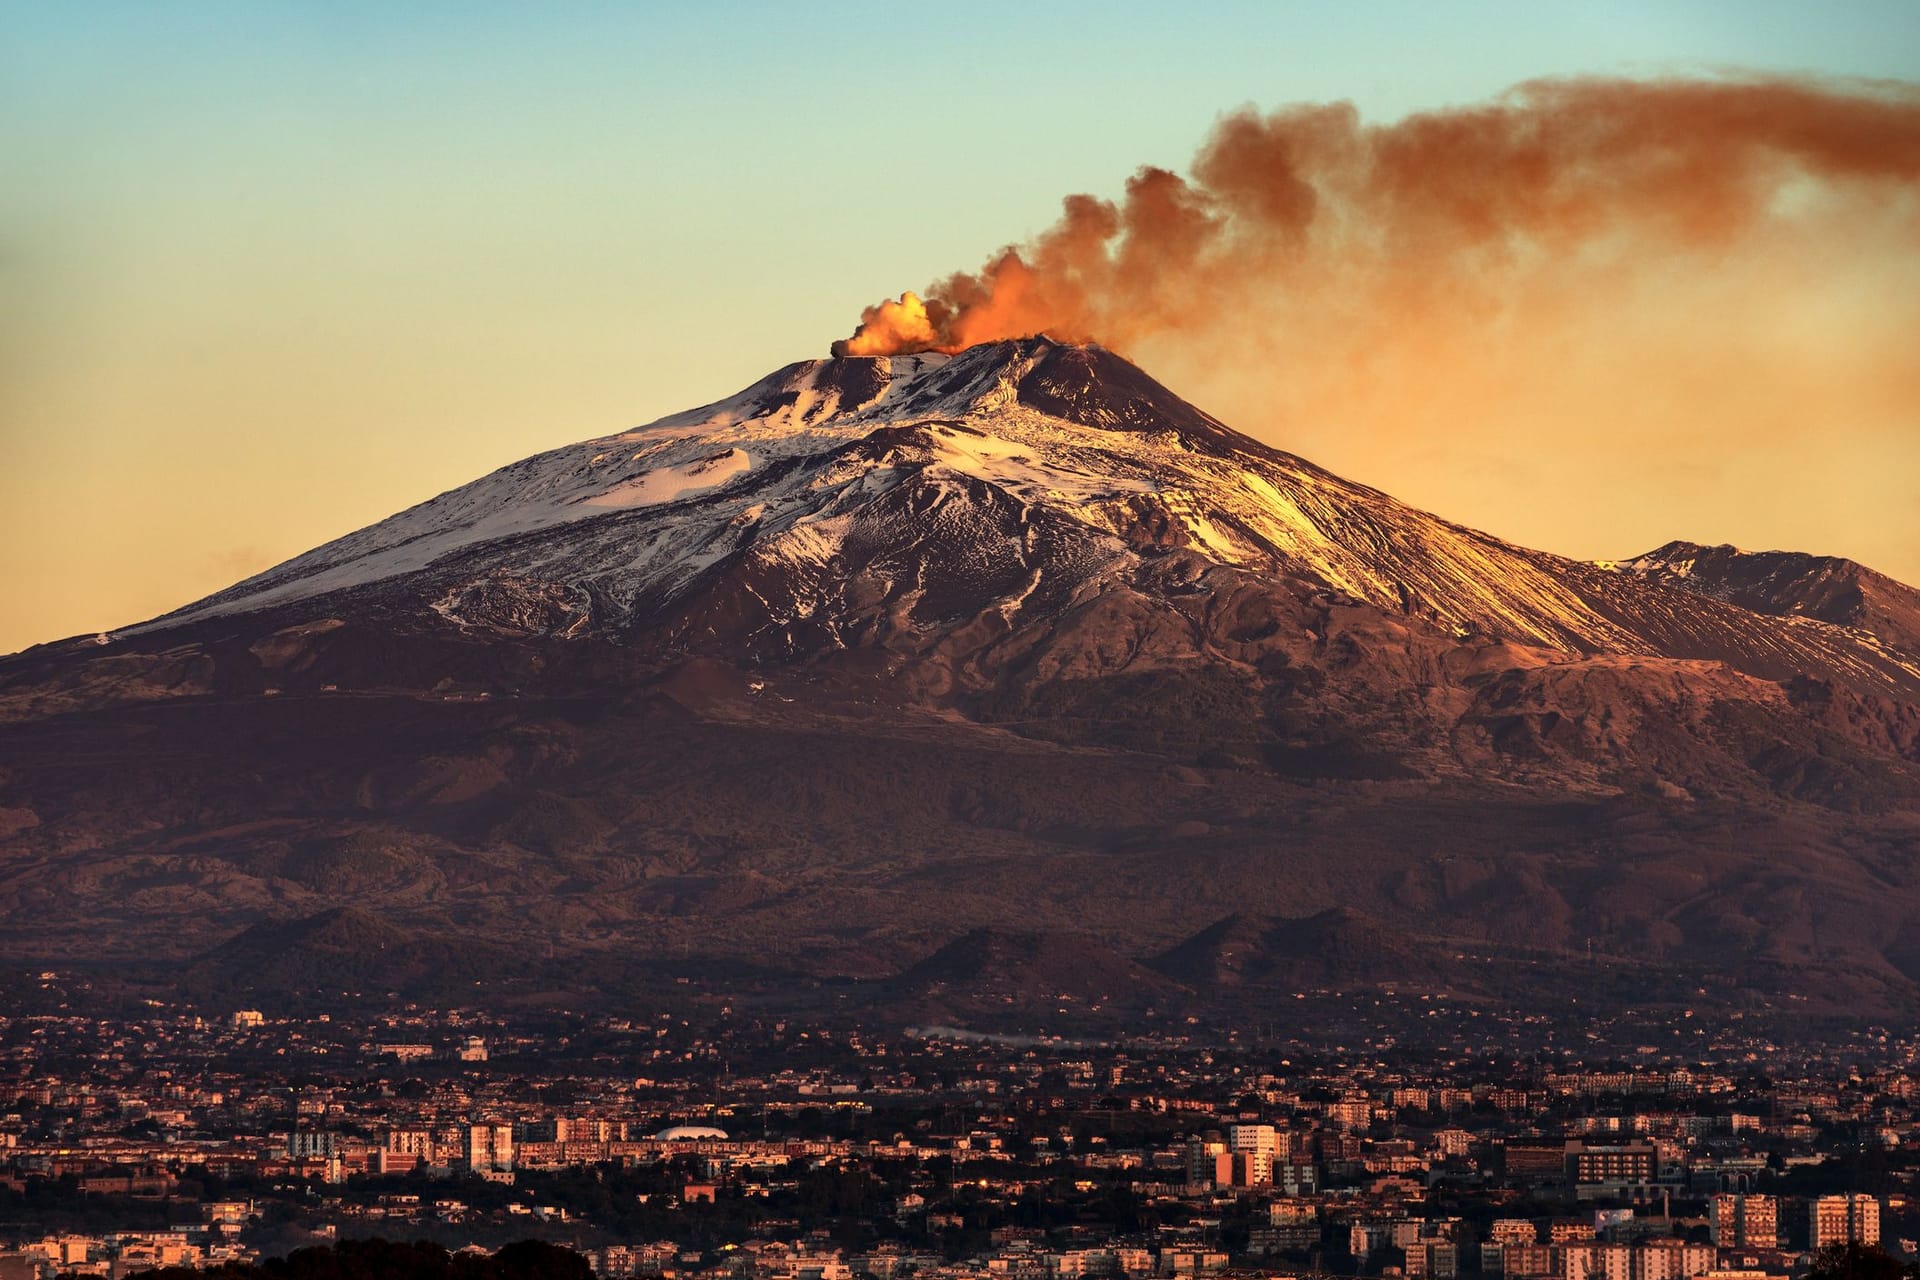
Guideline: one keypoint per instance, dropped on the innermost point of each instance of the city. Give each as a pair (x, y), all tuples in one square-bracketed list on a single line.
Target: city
[(1085, 640), (708, 1141)]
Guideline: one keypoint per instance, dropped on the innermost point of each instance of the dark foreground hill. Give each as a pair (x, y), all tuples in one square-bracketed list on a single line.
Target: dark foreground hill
[(384, 1260)]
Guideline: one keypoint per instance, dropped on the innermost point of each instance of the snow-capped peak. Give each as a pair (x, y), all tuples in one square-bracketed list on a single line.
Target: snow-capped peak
[(865, 495)]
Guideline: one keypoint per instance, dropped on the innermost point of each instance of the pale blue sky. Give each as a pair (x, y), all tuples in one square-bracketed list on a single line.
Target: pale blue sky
[(269, 271)]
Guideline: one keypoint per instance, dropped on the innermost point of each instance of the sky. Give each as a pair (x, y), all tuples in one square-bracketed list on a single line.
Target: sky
[(270, 272)]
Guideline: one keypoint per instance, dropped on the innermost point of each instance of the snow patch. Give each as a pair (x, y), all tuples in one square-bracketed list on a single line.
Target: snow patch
[(807, 542), (670, 484), (1033, 473)]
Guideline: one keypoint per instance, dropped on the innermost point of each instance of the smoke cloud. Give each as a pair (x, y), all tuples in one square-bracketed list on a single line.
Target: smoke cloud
[(1602, 285), (1555, 174)]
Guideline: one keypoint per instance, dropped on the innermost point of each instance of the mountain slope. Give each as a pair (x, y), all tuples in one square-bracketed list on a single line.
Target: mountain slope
[(1791, 584), (878, 653), (834, 493), (1335, 947)]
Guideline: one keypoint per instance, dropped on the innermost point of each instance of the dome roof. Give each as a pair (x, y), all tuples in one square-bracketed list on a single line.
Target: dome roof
[(682, 1132)]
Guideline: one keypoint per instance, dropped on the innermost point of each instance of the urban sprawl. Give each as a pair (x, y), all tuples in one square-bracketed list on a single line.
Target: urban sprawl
[(705, 1142)]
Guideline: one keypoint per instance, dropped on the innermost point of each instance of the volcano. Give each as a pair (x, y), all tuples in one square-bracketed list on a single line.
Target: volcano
[(881, 653)]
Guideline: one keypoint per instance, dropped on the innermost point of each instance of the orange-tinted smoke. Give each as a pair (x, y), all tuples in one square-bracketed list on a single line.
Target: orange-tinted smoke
[(1418, 215)]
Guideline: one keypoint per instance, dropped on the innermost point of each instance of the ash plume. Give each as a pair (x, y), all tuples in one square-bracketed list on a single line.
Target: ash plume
[(1688, 303), (1311, 198)]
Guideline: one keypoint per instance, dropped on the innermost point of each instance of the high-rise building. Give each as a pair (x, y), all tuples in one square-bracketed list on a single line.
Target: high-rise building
[(1209, 1163), (411, 1142), (1351, 1113), (308, 1145), (1252, 1169), (489, 1147), (1746, 1222), (1252, 1137), (1433, 1260), (551, 1129), (1848, 1219), (1253, 1147), (1671, 1259), (1528, 1261)]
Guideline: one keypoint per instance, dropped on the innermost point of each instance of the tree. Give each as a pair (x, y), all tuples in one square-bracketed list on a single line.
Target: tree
[(1859, 1262), (389, 1260), (538, 1260)]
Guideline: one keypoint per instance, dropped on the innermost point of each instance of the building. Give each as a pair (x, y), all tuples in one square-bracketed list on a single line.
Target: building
[(1209, 1163), (1253, 1137), (1849, 1219), (552, 1129), (1252, 1147), (1746, 1222), (1670, 1259), (1296, 1176), (1534, 1163), (1526, 1261), (1591, 1260), (1351, 1113), (489, 1147), (307, 1145), (1433, 1259), (1665, 1259), (1624, 1163), (1614, 1171), (412, 1142)]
